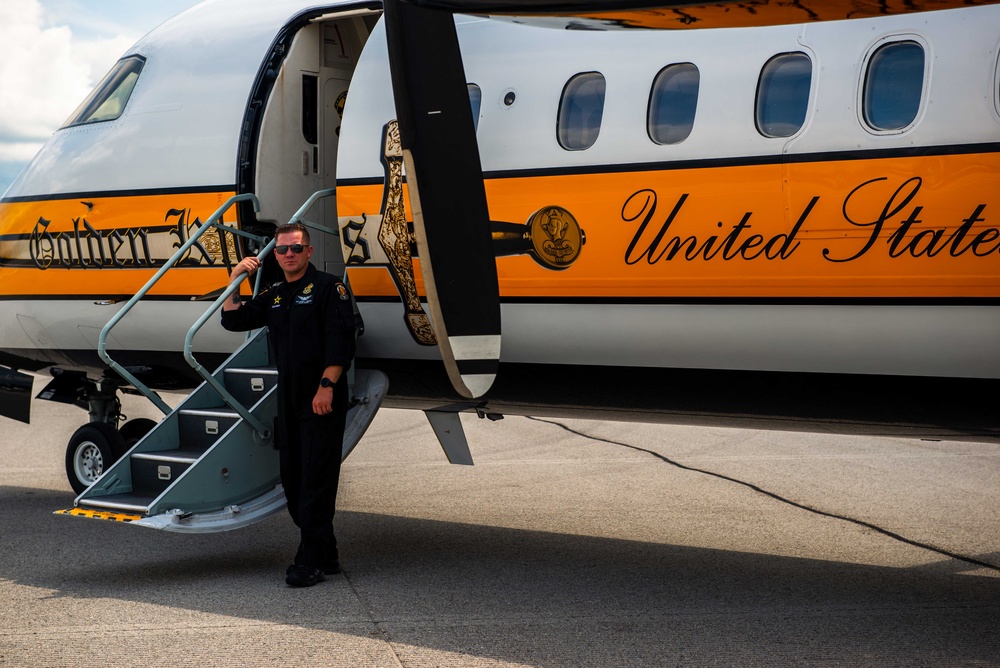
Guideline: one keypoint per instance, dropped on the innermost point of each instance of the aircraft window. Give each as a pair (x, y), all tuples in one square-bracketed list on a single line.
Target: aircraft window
[(476, 100), (783, 94), (672, 103), (107, 101), (580, 111), (893, 86)]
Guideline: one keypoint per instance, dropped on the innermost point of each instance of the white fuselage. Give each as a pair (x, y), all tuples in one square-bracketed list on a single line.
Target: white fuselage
[(216, 112)]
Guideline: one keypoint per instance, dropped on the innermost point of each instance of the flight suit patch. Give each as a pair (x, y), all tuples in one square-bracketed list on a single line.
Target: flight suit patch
[(342, 291)]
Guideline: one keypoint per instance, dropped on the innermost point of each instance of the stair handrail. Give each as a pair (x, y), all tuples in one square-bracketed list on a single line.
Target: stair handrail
[(213, 222), (228, 398)]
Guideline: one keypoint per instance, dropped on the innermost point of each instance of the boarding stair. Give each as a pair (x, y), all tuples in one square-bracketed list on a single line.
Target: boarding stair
[(210, 464)]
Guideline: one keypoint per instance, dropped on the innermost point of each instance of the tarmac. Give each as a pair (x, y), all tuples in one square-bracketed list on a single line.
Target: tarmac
[(569, 543)]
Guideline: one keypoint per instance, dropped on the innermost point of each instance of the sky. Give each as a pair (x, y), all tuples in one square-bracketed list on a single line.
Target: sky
[(55, 52)]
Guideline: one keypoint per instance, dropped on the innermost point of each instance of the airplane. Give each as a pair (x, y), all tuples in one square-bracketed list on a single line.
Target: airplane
[(759, 214)]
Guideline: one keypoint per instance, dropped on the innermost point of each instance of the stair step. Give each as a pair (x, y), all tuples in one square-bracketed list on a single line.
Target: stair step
[(128, 502), (152, 473), (162, 480), (200, 429), (209, 412), (177, 455), (249, 385), (266, 370)]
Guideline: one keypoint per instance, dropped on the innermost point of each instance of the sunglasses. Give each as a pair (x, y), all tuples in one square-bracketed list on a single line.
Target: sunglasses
[(295, 248)]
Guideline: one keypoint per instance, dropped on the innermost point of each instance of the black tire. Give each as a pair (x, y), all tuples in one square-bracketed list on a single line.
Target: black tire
[(92, 450), (133, 431)]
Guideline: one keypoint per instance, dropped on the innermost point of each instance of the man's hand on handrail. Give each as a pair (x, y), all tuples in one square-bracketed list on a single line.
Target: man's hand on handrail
[(246, 267)]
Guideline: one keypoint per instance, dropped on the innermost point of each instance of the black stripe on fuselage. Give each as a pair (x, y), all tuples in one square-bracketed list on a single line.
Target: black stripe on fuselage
[(595, 301), (139, 192), (156, 264), (751, 161), (108, 296), (730, 301), (744, 161)]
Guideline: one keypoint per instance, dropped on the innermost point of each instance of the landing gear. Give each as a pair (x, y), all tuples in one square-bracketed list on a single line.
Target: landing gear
[(92, 449), (97, 445), (133, 430)]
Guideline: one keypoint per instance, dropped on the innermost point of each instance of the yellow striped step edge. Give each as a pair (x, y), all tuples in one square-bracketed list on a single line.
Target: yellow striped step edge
[(99, 515)]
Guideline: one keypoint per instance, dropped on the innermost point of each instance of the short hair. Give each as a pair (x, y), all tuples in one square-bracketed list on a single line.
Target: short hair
[(293, 227)]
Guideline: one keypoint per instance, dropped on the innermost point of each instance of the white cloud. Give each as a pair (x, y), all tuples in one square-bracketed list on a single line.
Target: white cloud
[(45, 74), (54, 53)]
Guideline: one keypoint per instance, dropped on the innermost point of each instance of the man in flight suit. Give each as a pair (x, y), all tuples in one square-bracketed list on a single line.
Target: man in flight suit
[(310, 321)]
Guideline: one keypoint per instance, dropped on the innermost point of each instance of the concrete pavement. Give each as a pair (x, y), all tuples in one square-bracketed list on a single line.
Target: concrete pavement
[(556, 549)]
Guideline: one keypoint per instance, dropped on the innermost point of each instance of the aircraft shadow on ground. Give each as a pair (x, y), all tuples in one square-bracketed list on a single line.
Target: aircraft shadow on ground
[(511, 594)]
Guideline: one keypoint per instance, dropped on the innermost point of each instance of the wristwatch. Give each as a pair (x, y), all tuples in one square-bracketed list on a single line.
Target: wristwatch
[(326, 382)]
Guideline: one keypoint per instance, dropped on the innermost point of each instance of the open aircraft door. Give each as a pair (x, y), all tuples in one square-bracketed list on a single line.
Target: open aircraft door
[(210, 465)]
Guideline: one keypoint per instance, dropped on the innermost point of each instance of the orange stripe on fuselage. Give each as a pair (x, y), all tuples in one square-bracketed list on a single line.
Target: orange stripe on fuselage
[(108, 245), (908, 227)]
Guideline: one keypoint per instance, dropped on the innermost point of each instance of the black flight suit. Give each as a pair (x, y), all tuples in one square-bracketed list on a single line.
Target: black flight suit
[(310, 327)]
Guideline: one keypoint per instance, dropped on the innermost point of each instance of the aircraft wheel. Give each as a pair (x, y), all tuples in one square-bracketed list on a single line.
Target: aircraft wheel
[(133, 430), (93, 448)]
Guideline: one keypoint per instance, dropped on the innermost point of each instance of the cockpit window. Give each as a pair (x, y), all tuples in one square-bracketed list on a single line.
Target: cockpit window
[(581, 111), (107, 101)]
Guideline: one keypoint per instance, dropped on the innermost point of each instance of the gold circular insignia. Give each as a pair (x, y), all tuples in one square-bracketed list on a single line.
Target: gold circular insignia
[(339, 104), (556, 237)]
